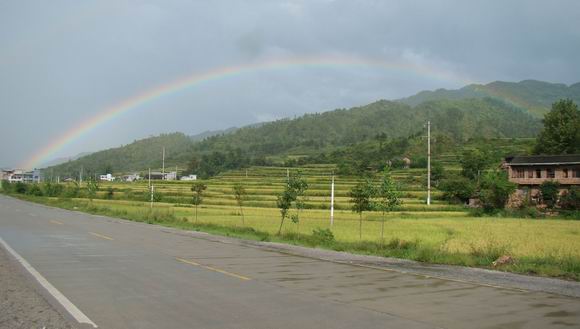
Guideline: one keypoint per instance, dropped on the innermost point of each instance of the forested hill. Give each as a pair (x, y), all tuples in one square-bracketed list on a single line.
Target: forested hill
[(312, 135), (137, 156), (529, 95), (459, 119)]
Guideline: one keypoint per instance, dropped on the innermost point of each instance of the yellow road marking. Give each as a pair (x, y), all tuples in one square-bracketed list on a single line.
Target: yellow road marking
[(101, 236), (237, 276), (56, 222)]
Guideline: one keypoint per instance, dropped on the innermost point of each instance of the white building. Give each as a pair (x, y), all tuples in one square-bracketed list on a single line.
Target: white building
[(189, 177), (19, 175), (131, 177), (107, 178)]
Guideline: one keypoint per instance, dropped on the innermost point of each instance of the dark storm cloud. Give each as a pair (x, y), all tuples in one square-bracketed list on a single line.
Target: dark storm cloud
[(63, 61)]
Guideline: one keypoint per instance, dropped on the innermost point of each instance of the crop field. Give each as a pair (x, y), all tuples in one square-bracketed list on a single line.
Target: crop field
[(438, 233)]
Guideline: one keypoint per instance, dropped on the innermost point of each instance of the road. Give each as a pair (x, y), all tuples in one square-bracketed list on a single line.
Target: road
[(121, 274)]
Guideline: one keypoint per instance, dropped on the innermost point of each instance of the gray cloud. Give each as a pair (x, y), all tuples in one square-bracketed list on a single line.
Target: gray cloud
[(64, 61)]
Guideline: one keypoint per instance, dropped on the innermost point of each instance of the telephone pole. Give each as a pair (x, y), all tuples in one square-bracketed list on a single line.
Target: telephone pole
[(332, 202), (163, 166), (428, 162)]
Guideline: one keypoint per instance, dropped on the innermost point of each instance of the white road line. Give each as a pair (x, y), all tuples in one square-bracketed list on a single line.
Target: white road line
[(65, 302)]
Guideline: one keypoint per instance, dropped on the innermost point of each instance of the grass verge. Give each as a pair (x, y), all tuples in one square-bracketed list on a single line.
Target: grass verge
[(479, 255)]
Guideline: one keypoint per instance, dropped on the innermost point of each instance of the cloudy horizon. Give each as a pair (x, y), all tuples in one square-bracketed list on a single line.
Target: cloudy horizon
[(64, 62)]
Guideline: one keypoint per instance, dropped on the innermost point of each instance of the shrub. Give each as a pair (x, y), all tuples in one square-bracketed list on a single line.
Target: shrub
[(323, 235), (495, 190), (571, 199), (457, 189), (110, 193), (52, 189), (34, 190), (549, 193), (20, 188)]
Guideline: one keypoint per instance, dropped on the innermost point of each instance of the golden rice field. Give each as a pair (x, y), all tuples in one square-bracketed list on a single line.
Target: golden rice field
[(450, 231)]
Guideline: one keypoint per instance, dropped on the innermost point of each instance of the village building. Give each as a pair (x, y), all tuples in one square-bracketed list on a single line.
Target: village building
[(157, 175), (131, 177), (19, 175), (188, 178), (529, 172), (107, 178)]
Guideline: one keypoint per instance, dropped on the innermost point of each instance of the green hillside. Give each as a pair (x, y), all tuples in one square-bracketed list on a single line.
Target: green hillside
[(137, 156), (313, 133), (316, 136), (530, 95)]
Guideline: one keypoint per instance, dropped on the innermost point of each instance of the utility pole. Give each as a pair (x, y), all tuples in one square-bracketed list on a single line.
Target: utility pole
[(428, 162), (287, 174), (149, 178), (151, 204), (81, 176), (332, 201), (163, 168)]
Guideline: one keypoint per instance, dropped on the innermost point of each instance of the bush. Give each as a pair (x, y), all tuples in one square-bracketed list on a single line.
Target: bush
[(495, 190), (110, 193), (324, 236), (549, 193), (20, 188), (457, 189), (34, 190), (52, 189), (571, 199)]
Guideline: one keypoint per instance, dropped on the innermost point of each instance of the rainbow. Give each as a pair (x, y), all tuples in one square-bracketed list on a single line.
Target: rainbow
[(47, 152)]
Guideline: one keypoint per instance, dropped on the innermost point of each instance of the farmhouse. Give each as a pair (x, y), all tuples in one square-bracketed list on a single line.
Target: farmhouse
[(529, 172), (107, 178)]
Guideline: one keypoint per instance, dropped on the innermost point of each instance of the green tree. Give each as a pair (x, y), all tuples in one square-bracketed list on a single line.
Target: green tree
[(549, 191), (197, 188), (92, 188), (389, 197), (561, 133), (457, 189), (475, 162), (293, 191), (571, 199), (240, 194), (360, 197), (495, 190)]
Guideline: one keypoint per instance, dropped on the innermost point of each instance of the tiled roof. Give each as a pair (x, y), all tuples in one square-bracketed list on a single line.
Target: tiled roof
[(543, 159)]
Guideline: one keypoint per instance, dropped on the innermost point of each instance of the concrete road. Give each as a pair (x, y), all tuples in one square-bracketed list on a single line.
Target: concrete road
[(121, 274)]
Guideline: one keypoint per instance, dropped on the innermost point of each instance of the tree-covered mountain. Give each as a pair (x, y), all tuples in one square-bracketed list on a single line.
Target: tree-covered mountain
[(530, 95), (137, 156), (313, 136), (312, 133)]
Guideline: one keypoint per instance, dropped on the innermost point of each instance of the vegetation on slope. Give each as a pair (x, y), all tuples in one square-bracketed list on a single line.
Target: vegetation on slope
[(529, 95)]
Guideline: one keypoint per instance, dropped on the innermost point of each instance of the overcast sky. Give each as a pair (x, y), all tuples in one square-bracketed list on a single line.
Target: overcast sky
[(62, 62)]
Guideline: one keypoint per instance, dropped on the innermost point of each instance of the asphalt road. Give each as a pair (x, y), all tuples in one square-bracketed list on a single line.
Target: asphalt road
[(120, 274)]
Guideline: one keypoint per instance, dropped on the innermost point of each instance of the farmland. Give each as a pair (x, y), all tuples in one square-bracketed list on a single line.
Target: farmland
[(439, 233)]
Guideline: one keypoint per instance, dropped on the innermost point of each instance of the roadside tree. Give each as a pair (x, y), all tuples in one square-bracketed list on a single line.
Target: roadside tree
[(240, 194), (197, 188), (360, 197), (389, 197)]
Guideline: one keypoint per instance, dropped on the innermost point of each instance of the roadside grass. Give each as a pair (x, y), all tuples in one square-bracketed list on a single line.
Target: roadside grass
[(546, 247)]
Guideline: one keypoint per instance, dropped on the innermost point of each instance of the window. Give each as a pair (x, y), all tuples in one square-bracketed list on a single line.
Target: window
[(565, 172), (550, 173), (576, 173), (530, 173), (520, 173), (538, 173)]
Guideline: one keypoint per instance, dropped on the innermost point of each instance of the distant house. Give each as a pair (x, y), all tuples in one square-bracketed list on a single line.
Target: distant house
[(18, 175), (107, 178), (188, 177), (131, 177), (529, 172), (157, 175)]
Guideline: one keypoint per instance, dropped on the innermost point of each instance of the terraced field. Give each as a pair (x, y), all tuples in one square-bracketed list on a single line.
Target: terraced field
[(263, 184)]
